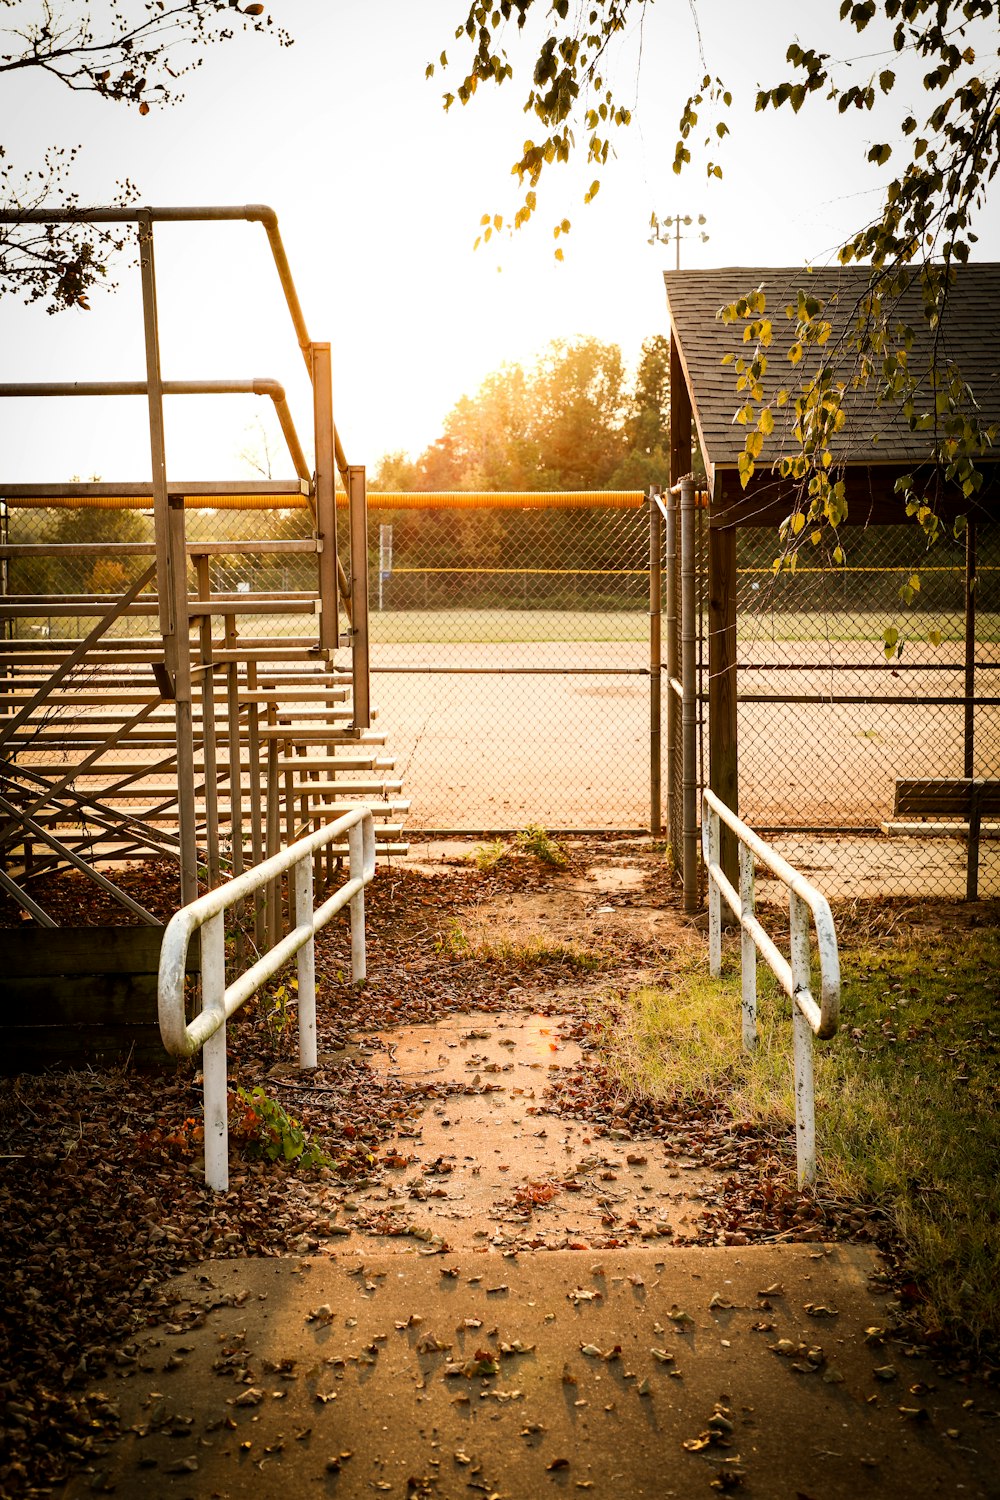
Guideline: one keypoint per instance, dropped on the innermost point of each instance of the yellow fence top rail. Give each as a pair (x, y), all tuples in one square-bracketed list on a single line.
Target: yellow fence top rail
[(388, 500)]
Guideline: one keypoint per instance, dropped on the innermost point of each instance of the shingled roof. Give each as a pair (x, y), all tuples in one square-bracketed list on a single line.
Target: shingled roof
[(873, 434)]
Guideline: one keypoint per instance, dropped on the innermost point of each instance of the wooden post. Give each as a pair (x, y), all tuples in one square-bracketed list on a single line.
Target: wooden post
[(680, 465), (680, 419), (183, 708), (210, 758), (722, 726), (969, 745), (256, 797), (689, 699), (171, 574), (235, 774), (673, 674), (655, 656)]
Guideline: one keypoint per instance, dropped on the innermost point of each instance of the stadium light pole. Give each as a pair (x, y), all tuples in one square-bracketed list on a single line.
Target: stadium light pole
[(662, 231)]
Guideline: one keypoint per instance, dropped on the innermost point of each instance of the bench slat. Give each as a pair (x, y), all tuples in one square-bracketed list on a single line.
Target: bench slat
[(945, 797)]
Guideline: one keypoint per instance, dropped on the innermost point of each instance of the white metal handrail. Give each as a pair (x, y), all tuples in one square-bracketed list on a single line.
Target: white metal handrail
[(804, 901), (207, 1031)]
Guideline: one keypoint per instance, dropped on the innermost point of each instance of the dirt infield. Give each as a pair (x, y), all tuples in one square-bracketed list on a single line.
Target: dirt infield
[(494, 734)]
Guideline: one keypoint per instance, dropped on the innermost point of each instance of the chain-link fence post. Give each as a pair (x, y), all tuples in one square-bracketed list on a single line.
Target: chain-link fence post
[(655, 667)]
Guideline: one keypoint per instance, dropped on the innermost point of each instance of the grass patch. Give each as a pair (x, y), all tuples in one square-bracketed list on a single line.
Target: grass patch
[(491, 945), (906, 1096)]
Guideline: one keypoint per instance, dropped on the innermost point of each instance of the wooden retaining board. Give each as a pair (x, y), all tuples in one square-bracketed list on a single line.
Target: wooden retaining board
[(73, 996)]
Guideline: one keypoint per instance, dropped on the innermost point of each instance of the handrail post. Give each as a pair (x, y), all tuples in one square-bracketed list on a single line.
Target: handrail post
[(748, 948), (714, 895), (359, 957), (805, 1102), (806, 906), (213, 1056), (207, 1031), (306, 962)]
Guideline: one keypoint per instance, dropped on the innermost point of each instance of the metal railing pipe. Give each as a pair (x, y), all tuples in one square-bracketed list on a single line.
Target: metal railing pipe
[(252, 213), (794, 974), (259, 386), (206, 1032)]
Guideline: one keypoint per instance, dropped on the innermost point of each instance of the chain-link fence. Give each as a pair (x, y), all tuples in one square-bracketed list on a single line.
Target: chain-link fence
[(510, 657), (829, 728), (511, 663)]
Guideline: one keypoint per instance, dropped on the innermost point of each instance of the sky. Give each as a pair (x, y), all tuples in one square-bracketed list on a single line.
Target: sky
[(379, 194)]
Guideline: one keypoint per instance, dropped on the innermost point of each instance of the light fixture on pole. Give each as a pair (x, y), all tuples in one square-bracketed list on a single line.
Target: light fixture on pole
[(662, 231)]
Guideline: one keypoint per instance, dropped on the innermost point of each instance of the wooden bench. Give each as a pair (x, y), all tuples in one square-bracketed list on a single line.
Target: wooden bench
[(964, 800)]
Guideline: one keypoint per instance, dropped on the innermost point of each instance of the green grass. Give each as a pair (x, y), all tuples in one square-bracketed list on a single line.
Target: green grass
[(842, 625), (501, 626), (906, 1095)]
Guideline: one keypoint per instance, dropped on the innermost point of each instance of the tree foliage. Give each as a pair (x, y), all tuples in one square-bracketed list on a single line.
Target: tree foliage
[(128, 52), (947, 156), (569, 422)]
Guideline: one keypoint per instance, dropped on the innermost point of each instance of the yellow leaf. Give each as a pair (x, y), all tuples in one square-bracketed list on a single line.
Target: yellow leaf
[(766, 421)]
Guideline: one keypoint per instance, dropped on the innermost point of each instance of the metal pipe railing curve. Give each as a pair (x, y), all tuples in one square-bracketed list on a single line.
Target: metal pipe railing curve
[(809, 1019), (206, 1032)]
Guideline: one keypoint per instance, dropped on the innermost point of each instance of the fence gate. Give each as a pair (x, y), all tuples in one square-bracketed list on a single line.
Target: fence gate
[(510, 655), (837, 740)]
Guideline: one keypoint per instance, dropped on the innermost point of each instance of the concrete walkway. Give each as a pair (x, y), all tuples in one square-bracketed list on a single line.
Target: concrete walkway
[(632, 1373)]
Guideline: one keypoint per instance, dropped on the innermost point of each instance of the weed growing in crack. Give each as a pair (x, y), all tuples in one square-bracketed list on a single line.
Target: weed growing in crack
[(532, 841), (535, 841)]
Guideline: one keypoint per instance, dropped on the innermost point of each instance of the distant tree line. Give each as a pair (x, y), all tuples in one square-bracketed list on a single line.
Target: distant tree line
[(570, 421), (573, 420)]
